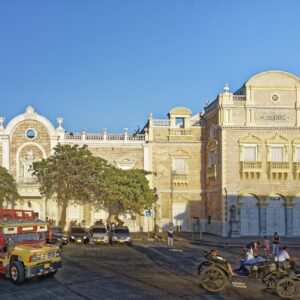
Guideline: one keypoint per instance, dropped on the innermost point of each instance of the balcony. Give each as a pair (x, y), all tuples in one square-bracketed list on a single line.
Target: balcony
[(251, 168), (211, 172), (179, 180), (277, 169), (296, 169)]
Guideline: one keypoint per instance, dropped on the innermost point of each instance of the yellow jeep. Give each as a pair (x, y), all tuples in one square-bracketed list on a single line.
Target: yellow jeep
[(23, 249)]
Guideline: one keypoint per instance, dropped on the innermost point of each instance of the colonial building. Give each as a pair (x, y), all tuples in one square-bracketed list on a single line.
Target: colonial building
[(233, 169), (165, 148)]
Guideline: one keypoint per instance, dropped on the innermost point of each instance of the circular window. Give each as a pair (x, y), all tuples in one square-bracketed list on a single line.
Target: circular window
[(275, 97), (31, 134)]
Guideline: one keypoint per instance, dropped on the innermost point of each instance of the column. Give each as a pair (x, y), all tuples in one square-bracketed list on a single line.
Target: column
[(263, 219), (289, 219)]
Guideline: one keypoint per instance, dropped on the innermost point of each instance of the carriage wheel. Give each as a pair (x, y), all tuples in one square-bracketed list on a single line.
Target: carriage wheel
[(213, 279), (202, 266), (270, 280), (286, 288)]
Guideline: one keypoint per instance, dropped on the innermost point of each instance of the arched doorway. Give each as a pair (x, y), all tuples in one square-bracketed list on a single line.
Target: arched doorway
[(275, 215), (249, 215), (296, 216)]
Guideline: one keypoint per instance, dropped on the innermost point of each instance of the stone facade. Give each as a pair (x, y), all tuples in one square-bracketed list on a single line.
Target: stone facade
[(233, 169)]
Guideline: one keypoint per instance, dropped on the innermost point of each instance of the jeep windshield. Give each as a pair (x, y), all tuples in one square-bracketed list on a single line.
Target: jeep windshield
[(25, 237), (99, 230)]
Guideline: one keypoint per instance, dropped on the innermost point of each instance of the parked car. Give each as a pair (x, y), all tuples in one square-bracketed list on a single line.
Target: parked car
[(121, 235), (78, 234), (57, 236), (100, 234)]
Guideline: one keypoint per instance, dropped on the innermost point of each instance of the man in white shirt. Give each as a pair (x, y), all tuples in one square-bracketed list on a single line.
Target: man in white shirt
[(284, 256)]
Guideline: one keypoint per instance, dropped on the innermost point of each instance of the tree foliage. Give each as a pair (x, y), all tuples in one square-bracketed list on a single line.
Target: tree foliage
[(125, 191), (66, 175), (72, 174), (8, 188)]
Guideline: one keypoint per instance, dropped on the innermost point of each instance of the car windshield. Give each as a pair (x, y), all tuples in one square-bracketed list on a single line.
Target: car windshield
[(77, 230), (99, 230), (122, 230), (25, 237)]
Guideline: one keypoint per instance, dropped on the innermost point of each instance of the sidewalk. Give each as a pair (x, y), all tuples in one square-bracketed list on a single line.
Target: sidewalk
[(215, 240)]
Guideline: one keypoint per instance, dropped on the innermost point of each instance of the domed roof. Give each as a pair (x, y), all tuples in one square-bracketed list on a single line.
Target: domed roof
[(179, 111), (273, 78)]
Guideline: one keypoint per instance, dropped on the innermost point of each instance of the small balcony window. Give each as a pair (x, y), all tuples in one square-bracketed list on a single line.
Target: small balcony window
[(249, 153), (277, 153), (179, 165)]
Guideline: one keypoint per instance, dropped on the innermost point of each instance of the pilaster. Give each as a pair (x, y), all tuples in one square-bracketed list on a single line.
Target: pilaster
[(263, 219)]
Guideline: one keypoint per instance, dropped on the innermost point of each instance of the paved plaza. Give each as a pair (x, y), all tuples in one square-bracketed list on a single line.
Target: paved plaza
[(148, 270)]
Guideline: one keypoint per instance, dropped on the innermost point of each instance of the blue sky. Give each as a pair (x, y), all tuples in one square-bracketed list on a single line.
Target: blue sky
[(109, 63)]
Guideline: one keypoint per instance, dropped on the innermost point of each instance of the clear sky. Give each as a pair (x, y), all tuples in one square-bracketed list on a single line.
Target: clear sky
[(109, 63)]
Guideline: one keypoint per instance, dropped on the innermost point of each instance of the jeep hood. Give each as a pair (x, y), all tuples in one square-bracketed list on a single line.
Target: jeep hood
[(35, 248)]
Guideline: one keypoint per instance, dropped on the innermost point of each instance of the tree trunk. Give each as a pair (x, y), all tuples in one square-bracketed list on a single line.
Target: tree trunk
[(63, 216), (113, 214)]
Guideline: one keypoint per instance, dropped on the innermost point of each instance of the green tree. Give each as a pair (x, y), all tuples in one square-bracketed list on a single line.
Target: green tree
[(67, 175), (124, 191), (8, 188)]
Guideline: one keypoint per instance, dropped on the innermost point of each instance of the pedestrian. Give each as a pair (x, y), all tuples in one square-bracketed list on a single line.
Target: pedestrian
[(113, 226), (276, 242), (170, 237), (266, 246)]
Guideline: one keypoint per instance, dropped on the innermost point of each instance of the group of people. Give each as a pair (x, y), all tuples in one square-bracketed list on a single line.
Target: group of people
[(280, 255), (252, 255)]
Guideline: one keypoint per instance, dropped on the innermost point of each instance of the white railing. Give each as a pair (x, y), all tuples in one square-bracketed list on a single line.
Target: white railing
[(137, 137), (104, 137), (73, 136), (161, 122), (94, 137)]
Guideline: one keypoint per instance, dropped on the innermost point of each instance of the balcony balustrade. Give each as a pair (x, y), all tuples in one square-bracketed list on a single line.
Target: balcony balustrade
[(296, 169), (278, 168), (251, 166)]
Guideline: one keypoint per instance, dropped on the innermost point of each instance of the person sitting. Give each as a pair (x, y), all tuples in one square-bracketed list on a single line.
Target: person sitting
[(284, 256), (213, 253)]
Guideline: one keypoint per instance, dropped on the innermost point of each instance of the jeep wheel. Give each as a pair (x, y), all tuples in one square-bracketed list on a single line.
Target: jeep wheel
[(16, 272)]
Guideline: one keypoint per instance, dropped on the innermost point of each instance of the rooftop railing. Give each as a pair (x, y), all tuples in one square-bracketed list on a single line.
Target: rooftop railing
[(104, 137), (161, 122)]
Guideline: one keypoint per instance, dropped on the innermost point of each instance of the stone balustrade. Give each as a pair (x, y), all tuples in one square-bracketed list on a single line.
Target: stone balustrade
[(104, 137)]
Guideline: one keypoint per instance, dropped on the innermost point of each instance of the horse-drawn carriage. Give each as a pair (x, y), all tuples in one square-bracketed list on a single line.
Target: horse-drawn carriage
[(214, 276)]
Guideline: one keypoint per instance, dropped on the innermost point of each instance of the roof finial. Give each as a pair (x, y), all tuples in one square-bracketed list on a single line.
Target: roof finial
[(29, 110)]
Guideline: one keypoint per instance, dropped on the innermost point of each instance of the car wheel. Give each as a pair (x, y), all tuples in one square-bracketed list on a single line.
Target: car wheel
[(16, 272)]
